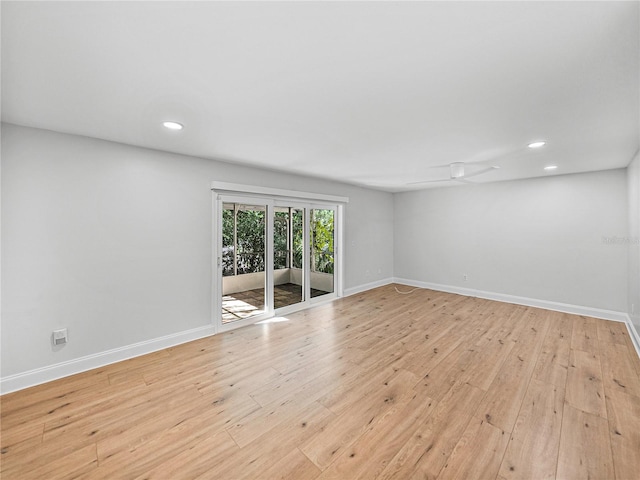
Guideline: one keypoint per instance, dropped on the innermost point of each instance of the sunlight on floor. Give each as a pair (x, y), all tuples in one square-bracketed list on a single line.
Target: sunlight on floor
[(273, 320)]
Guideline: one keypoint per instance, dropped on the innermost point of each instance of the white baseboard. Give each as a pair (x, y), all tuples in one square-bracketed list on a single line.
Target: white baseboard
[(529, 302), (367, 286), (37, 376), (633, 333)]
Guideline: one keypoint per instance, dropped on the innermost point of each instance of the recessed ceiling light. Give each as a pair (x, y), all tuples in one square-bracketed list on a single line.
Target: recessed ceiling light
[(537, 144), (550, 167), (173, 125)]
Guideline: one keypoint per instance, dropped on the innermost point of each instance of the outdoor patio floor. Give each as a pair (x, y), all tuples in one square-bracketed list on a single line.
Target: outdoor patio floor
[(240, 305)]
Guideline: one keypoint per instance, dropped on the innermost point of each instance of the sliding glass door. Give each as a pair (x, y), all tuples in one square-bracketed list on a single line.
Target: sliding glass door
[(244, 259), (289, 277), (322, 251), (273, 257)]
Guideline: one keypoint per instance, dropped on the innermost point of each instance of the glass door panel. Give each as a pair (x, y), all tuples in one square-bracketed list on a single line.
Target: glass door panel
[(243, 260), (321, 251), (288, 241), (272, 257)]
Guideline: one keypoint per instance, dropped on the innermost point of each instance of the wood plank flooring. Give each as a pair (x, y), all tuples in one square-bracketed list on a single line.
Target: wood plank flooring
[(378, 385)]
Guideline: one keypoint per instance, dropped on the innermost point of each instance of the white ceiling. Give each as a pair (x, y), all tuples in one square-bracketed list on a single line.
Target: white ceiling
[(371, 93)]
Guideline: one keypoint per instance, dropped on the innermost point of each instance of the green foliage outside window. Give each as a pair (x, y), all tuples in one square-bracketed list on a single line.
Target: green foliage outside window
[(281, 240), (228, 244), (298, 240), (322, 230), (250, 226), (250, 234), (280, 243)]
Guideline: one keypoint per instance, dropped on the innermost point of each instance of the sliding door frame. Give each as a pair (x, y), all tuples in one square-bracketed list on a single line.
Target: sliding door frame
[(268, 260), (297, 204), (254, 195), (336, 244)]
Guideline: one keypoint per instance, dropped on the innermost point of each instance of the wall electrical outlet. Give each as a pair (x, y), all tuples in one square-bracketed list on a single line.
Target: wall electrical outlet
[(60, 337), (464, 277)]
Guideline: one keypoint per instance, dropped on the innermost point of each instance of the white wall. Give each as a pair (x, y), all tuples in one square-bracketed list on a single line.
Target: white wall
[(633, 176), (539, 238), (114, 242)]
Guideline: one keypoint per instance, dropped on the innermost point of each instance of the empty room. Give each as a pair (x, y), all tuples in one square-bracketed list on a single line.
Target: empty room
[(320, 240)]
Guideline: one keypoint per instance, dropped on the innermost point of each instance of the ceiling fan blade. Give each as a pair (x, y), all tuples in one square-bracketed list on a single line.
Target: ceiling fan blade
[(480, 172), (490, 158), (429, 181), (457, 174), (463, 180)]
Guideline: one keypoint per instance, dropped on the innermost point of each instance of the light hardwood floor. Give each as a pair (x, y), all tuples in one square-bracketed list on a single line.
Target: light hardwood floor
[(375, 386)]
